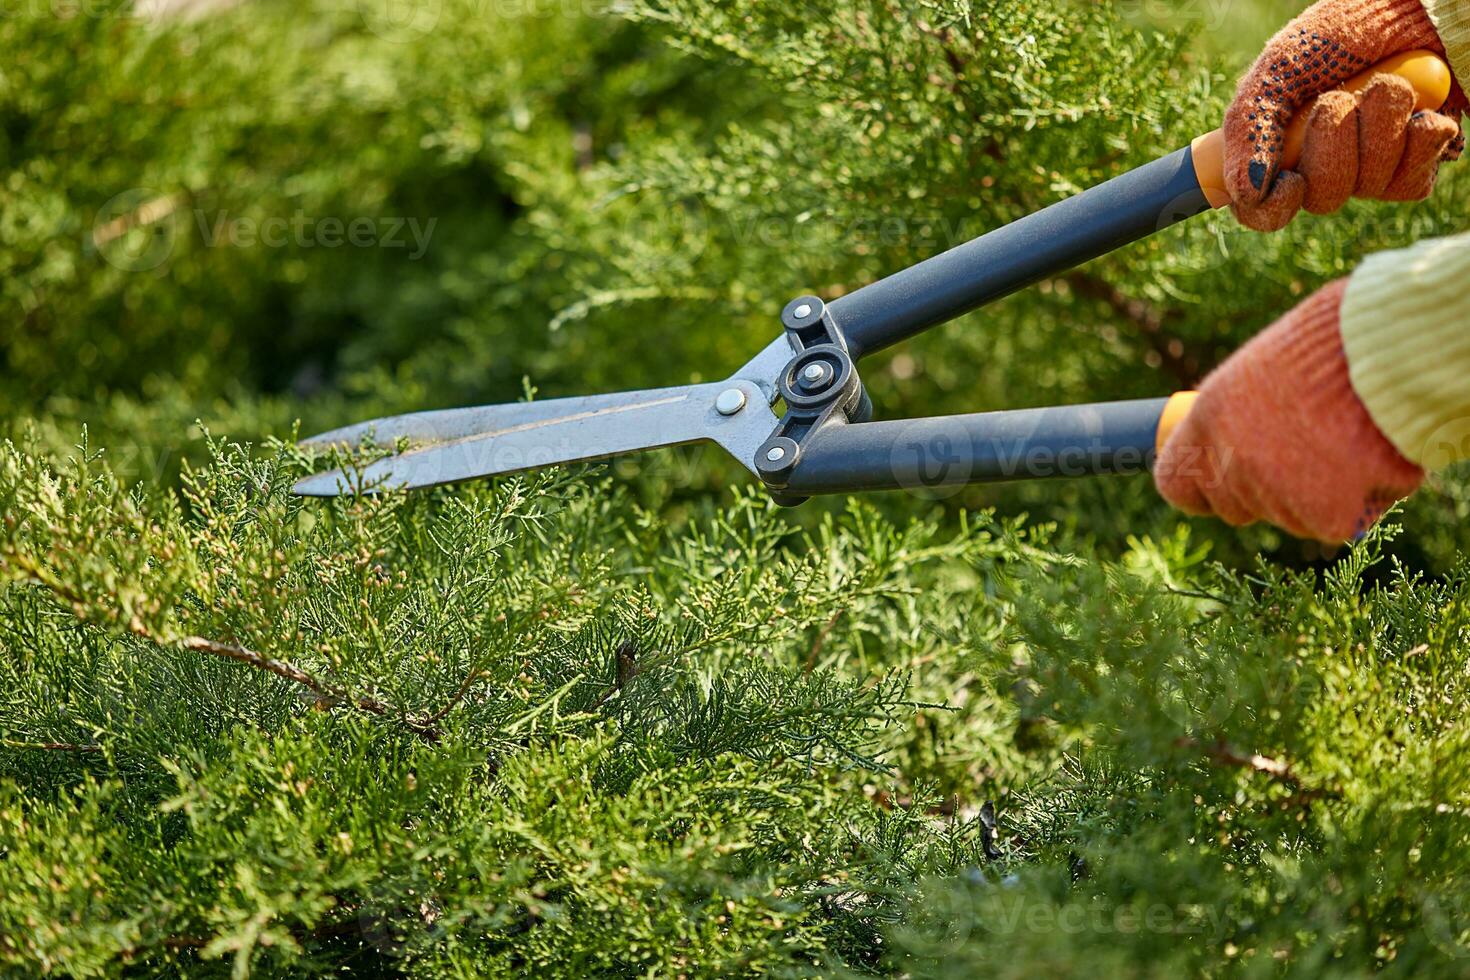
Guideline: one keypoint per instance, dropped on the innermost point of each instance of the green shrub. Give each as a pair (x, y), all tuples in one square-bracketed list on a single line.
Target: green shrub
[(633, 721)]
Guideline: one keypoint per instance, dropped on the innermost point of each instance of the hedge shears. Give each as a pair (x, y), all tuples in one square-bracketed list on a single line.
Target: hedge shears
[(826, 441)]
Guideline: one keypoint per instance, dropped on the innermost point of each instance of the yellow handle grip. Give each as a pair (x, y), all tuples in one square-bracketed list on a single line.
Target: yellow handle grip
[(1424, 70), (1175, 412)]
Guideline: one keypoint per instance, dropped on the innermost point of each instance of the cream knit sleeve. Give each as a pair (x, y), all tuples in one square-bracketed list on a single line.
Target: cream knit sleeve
[(1406, 333), (1452, 20), (1405, 322)]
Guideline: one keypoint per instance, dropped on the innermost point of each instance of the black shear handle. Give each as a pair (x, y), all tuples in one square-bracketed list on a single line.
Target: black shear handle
[(1131, 206), (1127, 208), (993, 447)]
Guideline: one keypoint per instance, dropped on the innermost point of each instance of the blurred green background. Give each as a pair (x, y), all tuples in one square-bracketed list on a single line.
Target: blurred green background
[(254, 213)]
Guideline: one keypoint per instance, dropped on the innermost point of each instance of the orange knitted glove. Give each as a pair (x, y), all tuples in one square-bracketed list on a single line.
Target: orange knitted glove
[(1279, 435), (1372, 145)]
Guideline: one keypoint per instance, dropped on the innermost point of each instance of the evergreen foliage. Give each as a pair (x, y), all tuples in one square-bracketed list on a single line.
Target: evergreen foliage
[(633, 720)]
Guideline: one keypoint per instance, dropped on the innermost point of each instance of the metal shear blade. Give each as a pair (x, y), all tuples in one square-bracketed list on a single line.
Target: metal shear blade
[(463, 444)]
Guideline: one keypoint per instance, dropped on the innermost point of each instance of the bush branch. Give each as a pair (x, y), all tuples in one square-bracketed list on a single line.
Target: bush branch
[(1222, 754), (327, 694), (50, 746), (1186, 367)]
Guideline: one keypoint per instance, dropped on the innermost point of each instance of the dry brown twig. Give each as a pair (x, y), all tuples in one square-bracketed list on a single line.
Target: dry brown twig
[(1221, 753), (1186, 366), (51, 746), (328, 695), (821, 640)]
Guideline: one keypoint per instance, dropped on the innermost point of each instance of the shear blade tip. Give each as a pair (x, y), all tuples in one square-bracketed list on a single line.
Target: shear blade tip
[(321, 485)]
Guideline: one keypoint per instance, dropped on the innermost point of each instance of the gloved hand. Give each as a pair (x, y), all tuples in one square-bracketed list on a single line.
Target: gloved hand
[(1371, 145), (1279, 435)]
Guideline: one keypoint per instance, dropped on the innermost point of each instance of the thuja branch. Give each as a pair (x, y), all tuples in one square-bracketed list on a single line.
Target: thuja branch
[(454, 699), (1186, 366), (327, 694), (51, 746), (1222, 754), (326, 930), (281, 668), (821, 640)]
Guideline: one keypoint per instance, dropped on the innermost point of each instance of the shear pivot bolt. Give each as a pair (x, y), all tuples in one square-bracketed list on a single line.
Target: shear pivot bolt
[(731, 401), (776, 455), (814, 373), (803, 311)]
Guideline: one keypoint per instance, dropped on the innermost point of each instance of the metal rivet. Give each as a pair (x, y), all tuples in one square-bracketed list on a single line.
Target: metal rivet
[(731, 400), (803, 311), (776, 454), (814, 372)]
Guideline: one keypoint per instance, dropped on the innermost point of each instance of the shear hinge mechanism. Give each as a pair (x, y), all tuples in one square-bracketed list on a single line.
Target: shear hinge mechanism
[(820, 387)]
